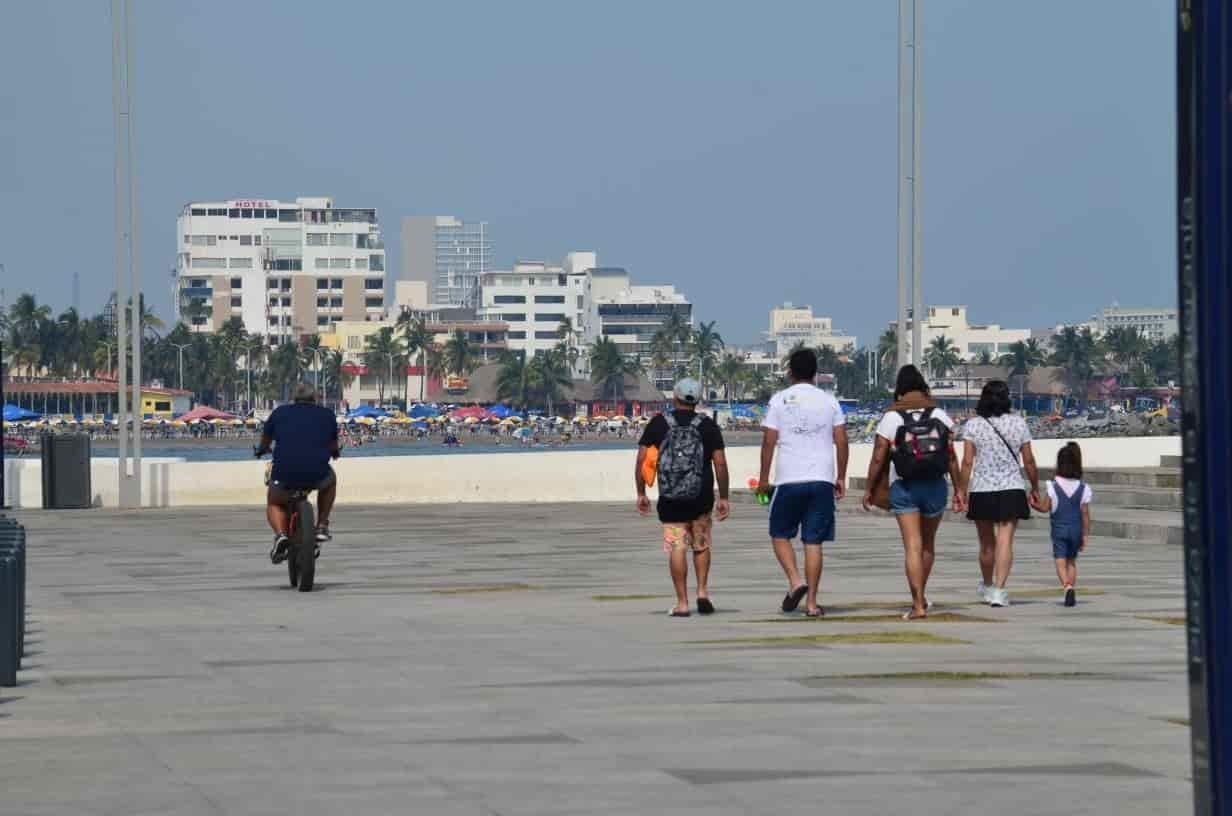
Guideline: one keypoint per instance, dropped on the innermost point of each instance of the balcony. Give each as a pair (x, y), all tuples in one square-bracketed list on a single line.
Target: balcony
[(197, 292)]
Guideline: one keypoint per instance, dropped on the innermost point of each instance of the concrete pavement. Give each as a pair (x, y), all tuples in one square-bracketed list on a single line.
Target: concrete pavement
[(512, 659)]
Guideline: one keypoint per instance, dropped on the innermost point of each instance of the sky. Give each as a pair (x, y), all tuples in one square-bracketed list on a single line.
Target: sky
[(745, 153)]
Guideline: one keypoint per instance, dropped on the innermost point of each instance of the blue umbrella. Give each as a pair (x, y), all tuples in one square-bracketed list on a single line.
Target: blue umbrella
[(13, 413), (423, 411), (367, 411)]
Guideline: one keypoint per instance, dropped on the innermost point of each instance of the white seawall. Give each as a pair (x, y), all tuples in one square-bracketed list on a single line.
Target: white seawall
[(538, 476)]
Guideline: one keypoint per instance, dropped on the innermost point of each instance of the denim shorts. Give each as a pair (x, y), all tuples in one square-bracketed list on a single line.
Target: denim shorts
[(927, 497), (806, 508)]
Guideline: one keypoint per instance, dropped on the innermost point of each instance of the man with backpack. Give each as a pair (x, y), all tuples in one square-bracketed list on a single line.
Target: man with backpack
[(691, 455), (914, 451), (806, 430)]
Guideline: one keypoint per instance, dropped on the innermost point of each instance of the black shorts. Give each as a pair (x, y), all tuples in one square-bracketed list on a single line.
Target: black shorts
[(998, 505), (280, 492)]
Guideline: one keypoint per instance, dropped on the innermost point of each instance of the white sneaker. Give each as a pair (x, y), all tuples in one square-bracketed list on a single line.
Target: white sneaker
[(985, 592), (998, 597)]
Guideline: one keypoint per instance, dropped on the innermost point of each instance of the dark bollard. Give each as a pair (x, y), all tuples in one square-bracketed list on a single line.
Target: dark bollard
[(13, 541), (8, 620)]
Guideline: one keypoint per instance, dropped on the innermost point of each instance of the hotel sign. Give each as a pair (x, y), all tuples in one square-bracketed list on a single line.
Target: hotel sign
[(249, 204)]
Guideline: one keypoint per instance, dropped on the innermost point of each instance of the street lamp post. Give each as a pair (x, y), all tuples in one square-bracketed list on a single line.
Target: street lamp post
[(179, 347)]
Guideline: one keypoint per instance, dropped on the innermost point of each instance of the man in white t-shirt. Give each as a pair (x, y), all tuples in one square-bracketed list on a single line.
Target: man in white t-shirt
[(806, 426)]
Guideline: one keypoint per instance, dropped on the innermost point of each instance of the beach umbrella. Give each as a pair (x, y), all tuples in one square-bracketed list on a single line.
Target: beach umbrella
[(14, 413), (204, 412), (419, 426)]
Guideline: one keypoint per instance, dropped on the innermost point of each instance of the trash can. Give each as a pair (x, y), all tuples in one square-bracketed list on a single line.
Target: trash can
[(66, 471)]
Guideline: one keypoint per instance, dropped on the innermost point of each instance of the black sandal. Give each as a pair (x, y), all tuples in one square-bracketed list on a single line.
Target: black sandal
[(819, 612), (793, 598), (675, 613), (704, 607)]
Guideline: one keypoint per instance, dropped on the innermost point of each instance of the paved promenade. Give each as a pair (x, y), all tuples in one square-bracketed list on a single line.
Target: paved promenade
[(516, 660)]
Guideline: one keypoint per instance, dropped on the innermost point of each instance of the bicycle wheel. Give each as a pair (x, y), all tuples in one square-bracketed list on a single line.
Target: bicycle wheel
[(293, 553), (304, 541)]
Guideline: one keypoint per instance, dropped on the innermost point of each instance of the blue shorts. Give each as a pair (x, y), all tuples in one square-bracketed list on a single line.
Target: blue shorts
[(803, 507), (927, 497), (1065, 545)]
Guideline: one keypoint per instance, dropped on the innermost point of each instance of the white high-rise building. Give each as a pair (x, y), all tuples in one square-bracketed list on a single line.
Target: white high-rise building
[(1152, 322), (286, 269), (448, 254), (535, 299), (791, 325)]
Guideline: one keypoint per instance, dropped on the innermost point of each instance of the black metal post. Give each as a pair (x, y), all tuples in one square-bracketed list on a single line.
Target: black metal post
[(1204, 138)]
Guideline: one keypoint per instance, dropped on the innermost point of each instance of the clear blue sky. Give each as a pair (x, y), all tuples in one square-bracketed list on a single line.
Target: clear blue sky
[(746, 153)]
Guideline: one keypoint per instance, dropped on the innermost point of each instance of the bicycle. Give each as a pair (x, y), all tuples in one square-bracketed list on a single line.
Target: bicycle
[(302, 555)]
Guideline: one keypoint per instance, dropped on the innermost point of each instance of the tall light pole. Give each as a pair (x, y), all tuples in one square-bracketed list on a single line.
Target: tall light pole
[(910, 284), (180, 349)]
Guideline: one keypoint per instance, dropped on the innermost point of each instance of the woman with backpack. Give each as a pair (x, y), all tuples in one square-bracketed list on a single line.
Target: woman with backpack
[(996, 497), (913, 453)]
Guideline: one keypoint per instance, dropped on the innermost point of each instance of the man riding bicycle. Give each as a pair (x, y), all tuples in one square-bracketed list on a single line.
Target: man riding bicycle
[(307, 438)]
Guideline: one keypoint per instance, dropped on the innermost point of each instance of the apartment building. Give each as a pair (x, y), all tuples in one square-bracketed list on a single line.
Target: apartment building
[(285, 268), (447, 254), (791, 325), (535, 298), (1152, 322)]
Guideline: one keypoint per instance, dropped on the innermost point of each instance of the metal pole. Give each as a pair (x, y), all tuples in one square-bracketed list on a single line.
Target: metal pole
[(120, 277), (904, 171), (917, 287), (134, 253), (1204, 138)]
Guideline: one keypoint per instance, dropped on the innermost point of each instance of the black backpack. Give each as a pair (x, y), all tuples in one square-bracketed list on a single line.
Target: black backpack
[(921, 447), (682, 460)]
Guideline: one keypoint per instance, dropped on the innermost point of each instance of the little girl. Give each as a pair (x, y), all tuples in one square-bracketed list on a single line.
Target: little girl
[(1067, 500)]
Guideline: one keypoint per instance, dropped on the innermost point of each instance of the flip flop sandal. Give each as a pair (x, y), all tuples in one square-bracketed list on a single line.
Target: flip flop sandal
[(910, 615), (816, 613), (793, 598), (704, 606), (674, 613)]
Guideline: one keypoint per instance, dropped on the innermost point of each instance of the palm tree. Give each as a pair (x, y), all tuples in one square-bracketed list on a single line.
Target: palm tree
[(887, 351), (941, 356), (1023, 356), (417, 339), (551, 373), (334, 375), (757, 383), (730, 373), (568, 336), (1128, 348), (983, 358), (827, 360), (678, 329), (312, 357), (1075, 352), (514, 381), (285, 367), (382, 353), (800, 345), (460, 358), (608, 368), (662, 348), (705, 345), (1163, 357)]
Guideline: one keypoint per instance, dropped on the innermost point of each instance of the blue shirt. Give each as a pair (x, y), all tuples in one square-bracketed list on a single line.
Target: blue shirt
[(304, 437)]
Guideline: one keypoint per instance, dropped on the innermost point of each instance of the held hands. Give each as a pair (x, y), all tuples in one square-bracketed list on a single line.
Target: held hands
[(723, 509), (643, 505), (960, 501), (1033, 499), (867, 501)]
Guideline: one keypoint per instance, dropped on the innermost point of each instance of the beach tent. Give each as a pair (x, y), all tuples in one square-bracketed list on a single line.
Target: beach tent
[(13, 413), (204, 413), (366, 411)]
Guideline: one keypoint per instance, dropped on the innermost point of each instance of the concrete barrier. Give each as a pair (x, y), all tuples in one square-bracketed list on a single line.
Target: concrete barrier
[(538, 476)]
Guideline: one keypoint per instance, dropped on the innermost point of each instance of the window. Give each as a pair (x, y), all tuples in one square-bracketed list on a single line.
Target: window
[(188, 239), (376, 263), (354, 342), (256, 240), (373, 302), (273, 301), (339, 263), (245, 240), (548, 317), (342, 239), (237, 283), (580, 306), (335, 303), (514, 317), (322, 283), (335, 283), (288, 264), (316, 239), (286, 301), (322, 302), (517, 335), (197, 211), (374, 283), (245, 213), (322, 320), (197, 283), (237, 302), (209, 263), (271, 213), (160, 405), (241, 263), (561, 280), (234, 212), (288, 216), (217, 211), (509, 299), (203, 240), (954, 312), (285, 284), (361, 263), (545, 335), (549, 298), (321, 263)]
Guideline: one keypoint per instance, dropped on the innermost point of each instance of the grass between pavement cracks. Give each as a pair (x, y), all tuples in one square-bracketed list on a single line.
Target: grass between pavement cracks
[(1169, 621)]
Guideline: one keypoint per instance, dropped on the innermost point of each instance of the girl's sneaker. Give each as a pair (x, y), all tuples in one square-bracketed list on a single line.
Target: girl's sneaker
[(985, 593), (998, 597)]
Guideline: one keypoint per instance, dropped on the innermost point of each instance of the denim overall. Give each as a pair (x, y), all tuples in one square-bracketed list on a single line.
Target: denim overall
[(1067, 522)]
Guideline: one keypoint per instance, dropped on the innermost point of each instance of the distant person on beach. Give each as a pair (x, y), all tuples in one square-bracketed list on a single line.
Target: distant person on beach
[(806, 432), (914, 451), (993, 441), (690, 457), (1067, 498)]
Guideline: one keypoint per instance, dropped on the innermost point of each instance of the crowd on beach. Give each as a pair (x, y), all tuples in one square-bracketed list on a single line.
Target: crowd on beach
[(915, 473)]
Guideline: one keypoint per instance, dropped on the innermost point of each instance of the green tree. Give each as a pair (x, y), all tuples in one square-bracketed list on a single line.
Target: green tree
[(383, 353), (678, 330), (515, 380), (1075, 351), (608, 368), (284, 369), (460, 356), (417, 339), (335, 378), (552, 373), (704, 346), (731, 374), (827, 360), (941, 355), (1023, 356), (887, 354)]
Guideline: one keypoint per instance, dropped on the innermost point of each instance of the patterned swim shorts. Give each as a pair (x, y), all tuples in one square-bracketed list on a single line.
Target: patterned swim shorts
[(695, 535)]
